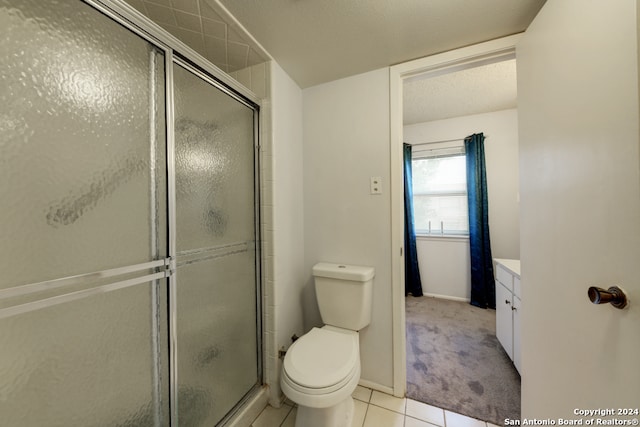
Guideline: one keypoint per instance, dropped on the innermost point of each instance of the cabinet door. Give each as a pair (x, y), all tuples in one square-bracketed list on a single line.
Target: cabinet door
[(517, 306), (504, 277), (504, 320)]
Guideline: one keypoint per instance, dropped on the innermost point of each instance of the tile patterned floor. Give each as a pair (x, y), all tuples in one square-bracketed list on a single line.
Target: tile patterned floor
[(376, 409)]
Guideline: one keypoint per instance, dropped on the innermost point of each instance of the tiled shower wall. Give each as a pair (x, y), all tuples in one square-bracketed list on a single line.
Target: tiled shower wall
[(257, 79), (282, 212)]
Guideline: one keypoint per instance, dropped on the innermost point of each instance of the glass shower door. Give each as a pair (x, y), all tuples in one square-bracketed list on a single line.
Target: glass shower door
[(87, 234), (215, 287), (82, 220)]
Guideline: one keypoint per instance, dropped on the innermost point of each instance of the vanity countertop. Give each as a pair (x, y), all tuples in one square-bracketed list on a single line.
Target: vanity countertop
[(513, 265)]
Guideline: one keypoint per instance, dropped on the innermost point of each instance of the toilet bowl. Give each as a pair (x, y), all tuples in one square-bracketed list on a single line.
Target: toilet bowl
[(322, 368), (320, 372)]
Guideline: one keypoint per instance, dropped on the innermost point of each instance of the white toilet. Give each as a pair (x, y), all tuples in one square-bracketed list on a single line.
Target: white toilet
[(322, 368)]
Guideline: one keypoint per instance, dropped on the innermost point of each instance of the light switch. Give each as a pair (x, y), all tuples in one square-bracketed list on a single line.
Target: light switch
[(376, 185)]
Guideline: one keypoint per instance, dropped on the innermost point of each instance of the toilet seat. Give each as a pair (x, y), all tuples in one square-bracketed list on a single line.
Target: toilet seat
[(322, 358), (322, 367)]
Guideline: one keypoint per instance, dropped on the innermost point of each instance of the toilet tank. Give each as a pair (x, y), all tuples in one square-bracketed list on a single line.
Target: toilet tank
[(344, 294)]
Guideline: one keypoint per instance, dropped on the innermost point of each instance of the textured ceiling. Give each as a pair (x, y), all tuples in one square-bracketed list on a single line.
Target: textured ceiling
[(482, 89), (317, 41)]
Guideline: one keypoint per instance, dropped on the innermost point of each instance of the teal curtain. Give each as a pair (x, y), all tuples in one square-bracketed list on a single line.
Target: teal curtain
[(412, 283), (483, 289)]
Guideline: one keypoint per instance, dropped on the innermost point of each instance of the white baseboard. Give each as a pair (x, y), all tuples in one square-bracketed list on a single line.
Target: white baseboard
[(447, 297)]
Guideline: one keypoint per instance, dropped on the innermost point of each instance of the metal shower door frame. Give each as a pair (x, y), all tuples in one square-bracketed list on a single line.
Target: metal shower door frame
[(176, 52), (177, 59)]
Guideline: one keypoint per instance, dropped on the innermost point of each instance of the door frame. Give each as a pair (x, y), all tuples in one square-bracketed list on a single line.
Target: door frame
[(431, 66)]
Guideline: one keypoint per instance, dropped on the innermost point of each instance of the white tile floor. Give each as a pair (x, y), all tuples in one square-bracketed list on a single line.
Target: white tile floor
[(375, 409)]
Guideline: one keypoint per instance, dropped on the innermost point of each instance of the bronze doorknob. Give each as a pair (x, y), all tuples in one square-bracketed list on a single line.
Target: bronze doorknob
[(614, 295)]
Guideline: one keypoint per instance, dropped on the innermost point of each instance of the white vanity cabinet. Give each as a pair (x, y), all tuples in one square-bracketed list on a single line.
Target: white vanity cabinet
[(508, 307)]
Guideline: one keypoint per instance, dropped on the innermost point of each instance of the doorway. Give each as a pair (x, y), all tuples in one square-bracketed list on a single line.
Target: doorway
[(439, 131)]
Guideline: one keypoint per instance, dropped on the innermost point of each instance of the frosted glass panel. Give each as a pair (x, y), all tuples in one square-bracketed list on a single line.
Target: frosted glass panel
[(217, 320), (217, 346), (81, 131), (85, 363), (214, 165)]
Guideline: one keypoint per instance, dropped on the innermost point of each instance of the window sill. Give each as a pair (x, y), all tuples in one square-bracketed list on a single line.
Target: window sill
[(445, 237)]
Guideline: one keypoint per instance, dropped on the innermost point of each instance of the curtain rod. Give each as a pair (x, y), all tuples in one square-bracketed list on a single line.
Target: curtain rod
[(444, 140)]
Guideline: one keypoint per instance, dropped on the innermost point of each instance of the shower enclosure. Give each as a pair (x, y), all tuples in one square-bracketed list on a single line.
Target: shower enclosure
[(130, 293)]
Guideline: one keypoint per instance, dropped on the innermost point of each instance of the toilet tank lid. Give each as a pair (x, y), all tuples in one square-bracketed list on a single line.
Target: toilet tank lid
[(343, 271)]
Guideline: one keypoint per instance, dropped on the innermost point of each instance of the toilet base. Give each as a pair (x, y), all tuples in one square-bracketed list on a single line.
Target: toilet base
[(340, 415)]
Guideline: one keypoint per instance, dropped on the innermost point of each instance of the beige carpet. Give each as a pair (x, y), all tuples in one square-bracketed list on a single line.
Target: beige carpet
[(455, 362)]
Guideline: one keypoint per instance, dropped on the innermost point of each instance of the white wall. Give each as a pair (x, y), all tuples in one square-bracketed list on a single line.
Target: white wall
[(445, 267), (346, 141), (444, 264)]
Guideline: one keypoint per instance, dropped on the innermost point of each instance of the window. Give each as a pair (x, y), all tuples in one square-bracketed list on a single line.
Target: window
[(440, 193)]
